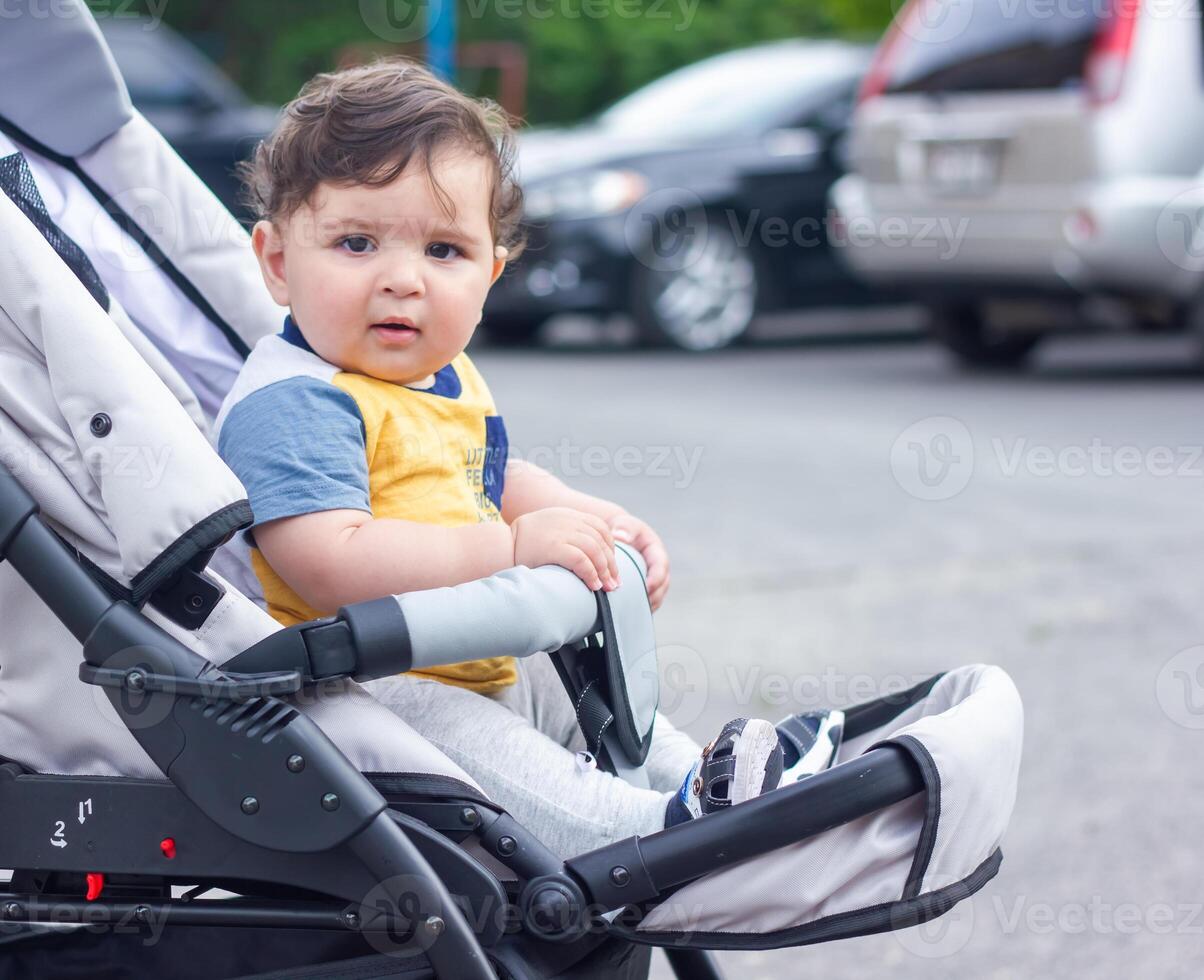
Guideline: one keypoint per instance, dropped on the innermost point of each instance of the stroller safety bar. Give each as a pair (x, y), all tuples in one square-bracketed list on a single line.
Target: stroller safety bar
[(516, 613)]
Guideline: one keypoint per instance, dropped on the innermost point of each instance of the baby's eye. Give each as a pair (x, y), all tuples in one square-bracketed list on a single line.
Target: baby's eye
[(442, 250), (357, 244)]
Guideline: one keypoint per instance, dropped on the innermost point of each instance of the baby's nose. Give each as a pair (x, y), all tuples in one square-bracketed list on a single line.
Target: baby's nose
[(404, 277)]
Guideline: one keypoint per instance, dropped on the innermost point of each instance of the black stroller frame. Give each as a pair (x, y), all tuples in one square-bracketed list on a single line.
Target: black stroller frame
[(260, 802)]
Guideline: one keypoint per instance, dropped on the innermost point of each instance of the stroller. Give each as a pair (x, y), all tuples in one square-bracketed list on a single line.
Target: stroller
[(189, 790)]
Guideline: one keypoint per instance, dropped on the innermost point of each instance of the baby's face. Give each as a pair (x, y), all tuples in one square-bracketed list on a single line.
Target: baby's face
[(381, 280)]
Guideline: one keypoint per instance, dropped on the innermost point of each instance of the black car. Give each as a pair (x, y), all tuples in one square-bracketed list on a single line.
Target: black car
[(691, 204), (202, 114)]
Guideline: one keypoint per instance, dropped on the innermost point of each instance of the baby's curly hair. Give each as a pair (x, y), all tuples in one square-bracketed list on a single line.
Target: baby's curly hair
[(364, 125)]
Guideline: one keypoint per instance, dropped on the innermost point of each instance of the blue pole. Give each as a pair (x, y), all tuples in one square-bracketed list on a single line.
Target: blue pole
[(441, 38)]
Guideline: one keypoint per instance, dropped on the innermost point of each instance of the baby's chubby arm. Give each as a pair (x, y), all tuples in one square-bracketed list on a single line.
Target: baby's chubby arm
[(529, 489), (337, 557)]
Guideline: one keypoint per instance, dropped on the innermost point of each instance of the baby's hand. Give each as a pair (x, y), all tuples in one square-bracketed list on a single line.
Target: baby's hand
[(639, 534), (570, 538)]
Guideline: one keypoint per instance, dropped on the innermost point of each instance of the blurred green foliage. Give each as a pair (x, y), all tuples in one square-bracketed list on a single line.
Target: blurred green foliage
[(582, 54)]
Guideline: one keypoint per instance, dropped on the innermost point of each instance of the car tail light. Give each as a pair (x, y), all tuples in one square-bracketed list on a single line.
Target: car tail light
[(1107, 65), (1082, 226), (887, 55)]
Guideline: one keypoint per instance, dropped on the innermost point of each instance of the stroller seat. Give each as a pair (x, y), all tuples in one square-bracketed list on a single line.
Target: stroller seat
[(175, 767)]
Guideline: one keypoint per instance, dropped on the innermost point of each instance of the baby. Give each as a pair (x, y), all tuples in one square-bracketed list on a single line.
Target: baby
[(375, 460)]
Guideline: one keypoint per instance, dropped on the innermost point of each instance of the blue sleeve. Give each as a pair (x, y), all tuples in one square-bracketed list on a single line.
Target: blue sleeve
[(298, 448)]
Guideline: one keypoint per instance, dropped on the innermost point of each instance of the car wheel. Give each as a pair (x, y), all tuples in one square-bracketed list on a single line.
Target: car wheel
[(700, 299), (513, 330), (978, 344)]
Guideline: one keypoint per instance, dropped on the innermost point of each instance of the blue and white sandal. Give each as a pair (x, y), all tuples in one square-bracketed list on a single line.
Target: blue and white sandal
[(810, 741), (744, 761)]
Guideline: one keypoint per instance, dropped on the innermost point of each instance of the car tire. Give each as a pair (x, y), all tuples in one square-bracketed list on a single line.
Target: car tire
[(978, 345), (704, 298), (513, 330)]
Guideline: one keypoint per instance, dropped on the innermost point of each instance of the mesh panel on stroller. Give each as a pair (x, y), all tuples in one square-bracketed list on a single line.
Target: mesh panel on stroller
[(178, 800)]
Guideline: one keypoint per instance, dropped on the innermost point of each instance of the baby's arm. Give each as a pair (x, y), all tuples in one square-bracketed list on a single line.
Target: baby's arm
[(309, 487), (530, 489), (337, 557)]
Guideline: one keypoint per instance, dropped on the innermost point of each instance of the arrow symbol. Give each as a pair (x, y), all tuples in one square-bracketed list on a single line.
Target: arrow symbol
[(58, 843)]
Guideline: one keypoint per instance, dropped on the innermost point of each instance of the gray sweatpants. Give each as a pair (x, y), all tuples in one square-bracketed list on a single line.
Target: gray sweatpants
[(521, 745)]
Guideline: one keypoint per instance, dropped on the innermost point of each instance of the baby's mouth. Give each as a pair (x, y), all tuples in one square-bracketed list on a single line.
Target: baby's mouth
[(397, 333)]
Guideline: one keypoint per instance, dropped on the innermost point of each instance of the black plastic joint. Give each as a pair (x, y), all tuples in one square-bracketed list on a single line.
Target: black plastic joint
[(16, 507), (553, 908), (331, 650), (614, 876), (382, 639), (509, 841)]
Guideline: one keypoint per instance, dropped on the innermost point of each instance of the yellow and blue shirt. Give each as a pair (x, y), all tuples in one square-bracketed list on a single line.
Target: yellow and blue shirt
[(305, 436)]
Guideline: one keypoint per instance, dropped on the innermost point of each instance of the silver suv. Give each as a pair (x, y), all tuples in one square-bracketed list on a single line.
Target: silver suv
[(1021, 165)]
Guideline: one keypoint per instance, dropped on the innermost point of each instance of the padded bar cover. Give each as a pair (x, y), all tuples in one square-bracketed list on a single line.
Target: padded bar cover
[(516, 613)]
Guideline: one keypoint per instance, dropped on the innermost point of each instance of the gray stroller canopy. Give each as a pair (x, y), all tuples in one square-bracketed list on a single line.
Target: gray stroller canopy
[(106, 403)]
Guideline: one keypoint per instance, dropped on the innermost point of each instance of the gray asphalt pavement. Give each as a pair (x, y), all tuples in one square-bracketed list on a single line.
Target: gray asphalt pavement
[(843, 519)]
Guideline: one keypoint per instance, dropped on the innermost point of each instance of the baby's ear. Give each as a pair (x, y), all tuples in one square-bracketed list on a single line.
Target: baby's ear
[(268, 243), (500, 254)]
